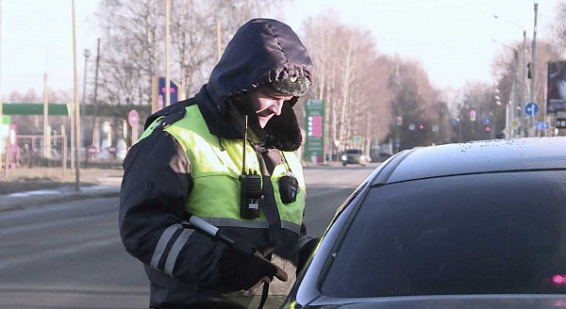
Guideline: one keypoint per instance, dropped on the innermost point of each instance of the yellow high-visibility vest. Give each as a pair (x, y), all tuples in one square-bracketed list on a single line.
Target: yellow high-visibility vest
[(215, 196)]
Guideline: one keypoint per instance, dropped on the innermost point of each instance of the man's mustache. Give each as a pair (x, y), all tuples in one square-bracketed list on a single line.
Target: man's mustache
[(265, 113)]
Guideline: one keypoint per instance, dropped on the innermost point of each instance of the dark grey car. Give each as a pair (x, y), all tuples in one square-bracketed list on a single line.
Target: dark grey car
[(354, 156), (474, 225)]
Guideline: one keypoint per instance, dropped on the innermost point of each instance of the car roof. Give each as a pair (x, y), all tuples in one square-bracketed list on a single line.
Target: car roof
[(475, 157)]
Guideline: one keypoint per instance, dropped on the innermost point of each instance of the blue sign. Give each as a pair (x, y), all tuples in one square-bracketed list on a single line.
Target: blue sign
[(485, 120), (173, 90), (454, 122), (531, 109), (541, 125)]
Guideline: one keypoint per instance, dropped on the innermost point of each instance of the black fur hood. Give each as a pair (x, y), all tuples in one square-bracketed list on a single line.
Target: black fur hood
[(261, 52)]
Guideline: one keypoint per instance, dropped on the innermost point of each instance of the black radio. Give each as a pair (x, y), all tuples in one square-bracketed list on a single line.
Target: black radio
[(288, 188), (250, 195), (250, 185)]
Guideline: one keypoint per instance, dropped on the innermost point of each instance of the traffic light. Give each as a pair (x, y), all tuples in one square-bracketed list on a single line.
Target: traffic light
[(421, 127), (399, 120)]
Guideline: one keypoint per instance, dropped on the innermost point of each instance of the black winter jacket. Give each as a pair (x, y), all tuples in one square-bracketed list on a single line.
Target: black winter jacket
[(181, 264)]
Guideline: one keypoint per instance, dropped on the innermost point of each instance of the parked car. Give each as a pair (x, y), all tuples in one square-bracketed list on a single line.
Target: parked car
[(472, 225), (381, 157), (354, 156)]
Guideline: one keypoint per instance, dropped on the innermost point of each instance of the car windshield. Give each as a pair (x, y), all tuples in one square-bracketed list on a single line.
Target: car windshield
[(471, 234), (353, 151)]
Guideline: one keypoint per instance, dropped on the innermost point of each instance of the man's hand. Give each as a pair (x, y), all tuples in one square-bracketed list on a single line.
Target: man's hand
[(244, 272)]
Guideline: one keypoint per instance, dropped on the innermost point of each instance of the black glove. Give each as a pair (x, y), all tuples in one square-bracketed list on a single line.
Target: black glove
[(243, 272), (305, 252)]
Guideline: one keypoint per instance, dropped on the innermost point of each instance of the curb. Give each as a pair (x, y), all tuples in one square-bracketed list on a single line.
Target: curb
[(35, 199)]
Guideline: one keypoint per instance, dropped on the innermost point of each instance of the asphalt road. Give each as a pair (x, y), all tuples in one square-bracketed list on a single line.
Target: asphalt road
[(70, 256)]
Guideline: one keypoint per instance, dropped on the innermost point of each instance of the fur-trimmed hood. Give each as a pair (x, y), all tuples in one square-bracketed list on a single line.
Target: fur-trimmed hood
[(262, 51)]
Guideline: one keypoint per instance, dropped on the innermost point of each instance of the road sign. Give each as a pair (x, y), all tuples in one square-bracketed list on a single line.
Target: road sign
[(531, 109), (454, 122), (357, 139), (485, 120), (515, 124), (92, 150), (133, 118), (542, 125)]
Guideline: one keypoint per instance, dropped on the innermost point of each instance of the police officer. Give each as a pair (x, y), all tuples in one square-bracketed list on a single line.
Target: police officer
[(227, 156)]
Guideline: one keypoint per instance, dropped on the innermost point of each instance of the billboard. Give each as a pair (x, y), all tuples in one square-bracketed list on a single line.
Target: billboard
[(556, 87), (314, 124), (9, 142)]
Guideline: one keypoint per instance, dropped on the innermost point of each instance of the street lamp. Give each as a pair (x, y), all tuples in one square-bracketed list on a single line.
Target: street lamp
[(86, 54)]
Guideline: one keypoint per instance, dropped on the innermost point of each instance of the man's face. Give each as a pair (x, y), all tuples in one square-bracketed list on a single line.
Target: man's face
[(267, 104)]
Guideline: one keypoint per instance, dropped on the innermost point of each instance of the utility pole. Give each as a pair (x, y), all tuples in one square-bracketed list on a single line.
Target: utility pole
[(71, 111), (46, 135), (1, 102), (523, 85), (533, 72), (86, 54), (1, 99), (95, 125), (167, 74), (368, 133), (513, 111), (77, 106), (218, 39)]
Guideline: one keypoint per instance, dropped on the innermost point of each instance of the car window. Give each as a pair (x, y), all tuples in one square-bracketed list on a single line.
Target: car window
[(473, 234)]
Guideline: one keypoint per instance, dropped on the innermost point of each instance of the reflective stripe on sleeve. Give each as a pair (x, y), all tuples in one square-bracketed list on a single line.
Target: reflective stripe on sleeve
[(174, 252), (162, 244)]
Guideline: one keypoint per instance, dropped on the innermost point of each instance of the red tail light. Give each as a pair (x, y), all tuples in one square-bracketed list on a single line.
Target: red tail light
[(559, 279)]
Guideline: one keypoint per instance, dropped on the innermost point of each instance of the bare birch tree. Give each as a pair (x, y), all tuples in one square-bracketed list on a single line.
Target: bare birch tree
[(133, 42), (129, 54), (355, 81), (559, 26), (319, 35)]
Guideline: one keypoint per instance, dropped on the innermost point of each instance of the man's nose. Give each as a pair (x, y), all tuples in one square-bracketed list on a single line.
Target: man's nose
[(276, 108)]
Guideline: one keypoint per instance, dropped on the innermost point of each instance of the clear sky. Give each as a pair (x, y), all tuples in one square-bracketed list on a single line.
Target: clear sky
[(452, 38), (37, 37)]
